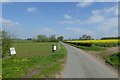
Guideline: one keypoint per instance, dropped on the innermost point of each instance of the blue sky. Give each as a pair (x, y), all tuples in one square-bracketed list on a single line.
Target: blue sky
[(69, 19)]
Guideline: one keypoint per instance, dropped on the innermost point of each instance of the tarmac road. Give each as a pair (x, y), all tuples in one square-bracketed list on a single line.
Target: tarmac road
[(79, 64)]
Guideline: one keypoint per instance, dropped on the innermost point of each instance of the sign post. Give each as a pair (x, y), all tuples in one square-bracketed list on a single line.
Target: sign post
[(54, 48), (12, 51)]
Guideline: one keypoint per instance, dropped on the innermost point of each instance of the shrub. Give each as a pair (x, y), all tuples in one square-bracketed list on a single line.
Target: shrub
[(6, 42)]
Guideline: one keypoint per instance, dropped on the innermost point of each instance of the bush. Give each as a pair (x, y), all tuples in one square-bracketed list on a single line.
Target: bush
[(106, 44), (6, 42)]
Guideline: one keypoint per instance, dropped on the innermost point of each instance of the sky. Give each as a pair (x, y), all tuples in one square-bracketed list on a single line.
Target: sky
[(68, 19)]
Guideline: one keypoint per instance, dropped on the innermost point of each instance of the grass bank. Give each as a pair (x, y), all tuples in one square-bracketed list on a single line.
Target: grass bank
[(34, 66), (91, 48), (113, 59)]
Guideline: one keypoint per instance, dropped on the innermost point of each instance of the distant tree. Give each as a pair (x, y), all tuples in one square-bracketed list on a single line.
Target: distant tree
[(85, 37), (89, 37), (42, 38), (104, 38), (52, 38), (6, 43), (60, 38), (29, 38)]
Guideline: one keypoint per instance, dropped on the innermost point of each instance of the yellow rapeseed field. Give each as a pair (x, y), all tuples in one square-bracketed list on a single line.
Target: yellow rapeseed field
[(95, 41)]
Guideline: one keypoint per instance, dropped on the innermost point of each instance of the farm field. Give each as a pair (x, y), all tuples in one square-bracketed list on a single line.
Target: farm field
[(33, 48), (34, 60), (101, 43), (95, 41)]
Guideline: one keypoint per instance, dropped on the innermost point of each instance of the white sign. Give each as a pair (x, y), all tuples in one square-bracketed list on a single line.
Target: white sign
[(12, 51), (54, 47)]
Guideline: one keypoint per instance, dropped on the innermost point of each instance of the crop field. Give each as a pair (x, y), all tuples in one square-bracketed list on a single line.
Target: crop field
[(101, 43), (33, 48), (94, 41)]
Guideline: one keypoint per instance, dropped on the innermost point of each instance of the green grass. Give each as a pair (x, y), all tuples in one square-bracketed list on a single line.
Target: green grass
[(21, 41), (33, 48), (34, 66), (113, 59), (91, 48)]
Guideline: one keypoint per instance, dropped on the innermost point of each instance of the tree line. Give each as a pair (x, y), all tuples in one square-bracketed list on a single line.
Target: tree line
[(51, 38), (44, 38), (104, 38), (88, 37)]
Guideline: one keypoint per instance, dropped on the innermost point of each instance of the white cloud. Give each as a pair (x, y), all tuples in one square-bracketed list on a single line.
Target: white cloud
[(8, 23), (107, 21), (31, 9), (83, 4), (79, 30), (108, 25), (104, 21), (97, 16), (76, 32), (95, 19), (112, 10), (66, 16), (70, 22), (103, 15)]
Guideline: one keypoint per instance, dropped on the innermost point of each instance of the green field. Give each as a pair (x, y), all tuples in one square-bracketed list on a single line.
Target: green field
[(34, 60), (33, 48)]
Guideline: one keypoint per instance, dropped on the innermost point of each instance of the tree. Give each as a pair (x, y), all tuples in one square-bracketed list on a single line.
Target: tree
[(6, 42), (85, 37), (60, 38), (104, 38), (29, 39), (52, 38), (42, 38)]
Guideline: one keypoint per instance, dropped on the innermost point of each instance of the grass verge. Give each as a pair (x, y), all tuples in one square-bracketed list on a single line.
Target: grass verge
[(33, 66), (91, 48), (113, 59)]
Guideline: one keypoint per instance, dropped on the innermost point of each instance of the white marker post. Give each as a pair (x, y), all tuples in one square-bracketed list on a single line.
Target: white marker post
[(54, 48), (12, 51)]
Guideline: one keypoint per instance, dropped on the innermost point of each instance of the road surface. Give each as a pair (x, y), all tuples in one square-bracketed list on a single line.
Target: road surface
[(79, 64)]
